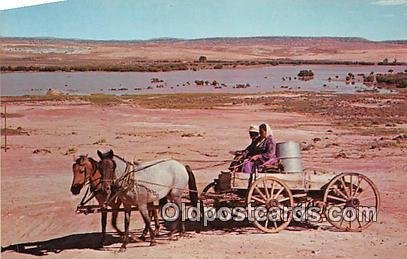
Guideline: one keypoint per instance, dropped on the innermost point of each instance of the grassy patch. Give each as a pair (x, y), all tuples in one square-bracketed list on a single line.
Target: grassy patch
[(100, 141), (102, 99), (181, 101), (12, 115), (71, 150), (16, 131)]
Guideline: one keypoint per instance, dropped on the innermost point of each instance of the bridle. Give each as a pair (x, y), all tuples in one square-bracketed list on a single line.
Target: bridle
[(88, 176)]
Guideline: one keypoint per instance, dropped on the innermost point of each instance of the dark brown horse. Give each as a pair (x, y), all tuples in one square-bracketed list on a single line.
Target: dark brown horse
[(86, 170)]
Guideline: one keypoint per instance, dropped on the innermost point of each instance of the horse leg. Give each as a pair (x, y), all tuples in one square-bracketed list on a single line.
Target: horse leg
[(114, 222), (156, 220), (145, 230), (181, 224), (103, 222), (114, 217), (178, 224), (146, 217), (126, 229)]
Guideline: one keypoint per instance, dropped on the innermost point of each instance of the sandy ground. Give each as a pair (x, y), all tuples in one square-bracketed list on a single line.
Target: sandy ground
[(26, 52), (38, 211)]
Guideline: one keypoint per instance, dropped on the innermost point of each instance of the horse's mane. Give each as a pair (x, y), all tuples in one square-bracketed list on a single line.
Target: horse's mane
[(79, 160), (94, 162)]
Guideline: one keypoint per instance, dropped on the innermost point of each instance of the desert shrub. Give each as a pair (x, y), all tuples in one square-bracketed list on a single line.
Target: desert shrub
[(202, 59), (399, 79), (306, 73)]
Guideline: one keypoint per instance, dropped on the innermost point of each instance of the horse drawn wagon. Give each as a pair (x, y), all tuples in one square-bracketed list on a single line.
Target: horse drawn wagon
[(349, 201), (276, 194)]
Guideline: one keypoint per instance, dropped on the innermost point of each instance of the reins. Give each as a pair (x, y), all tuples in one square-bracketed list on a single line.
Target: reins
[(89, 182), (128, 174)]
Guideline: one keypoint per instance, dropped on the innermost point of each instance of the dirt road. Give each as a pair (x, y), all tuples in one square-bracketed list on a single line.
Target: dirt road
[(38, 211)]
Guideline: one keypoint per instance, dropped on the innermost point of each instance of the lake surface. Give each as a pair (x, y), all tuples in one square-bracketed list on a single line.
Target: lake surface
[(259, 79)]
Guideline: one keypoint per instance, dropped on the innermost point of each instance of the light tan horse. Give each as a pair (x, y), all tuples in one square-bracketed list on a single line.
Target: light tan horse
[(152, 182), (86, 170)]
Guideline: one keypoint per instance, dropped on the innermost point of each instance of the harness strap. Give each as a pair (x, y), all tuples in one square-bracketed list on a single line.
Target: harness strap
[(126, 174), (83, 198)]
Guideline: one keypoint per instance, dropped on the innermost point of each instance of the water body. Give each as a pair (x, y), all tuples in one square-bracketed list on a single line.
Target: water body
[(259, 79)]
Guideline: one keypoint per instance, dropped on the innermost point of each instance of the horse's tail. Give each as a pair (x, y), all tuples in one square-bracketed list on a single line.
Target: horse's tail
[(193, 191)]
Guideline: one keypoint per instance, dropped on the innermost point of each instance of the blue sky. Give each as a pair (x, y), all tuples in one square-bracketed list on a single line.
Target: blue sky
[(129, 20)]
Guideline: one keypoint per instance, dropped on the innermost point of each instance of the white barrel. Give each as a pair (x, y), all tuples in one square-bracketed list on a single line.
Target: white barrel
[(290, 156)]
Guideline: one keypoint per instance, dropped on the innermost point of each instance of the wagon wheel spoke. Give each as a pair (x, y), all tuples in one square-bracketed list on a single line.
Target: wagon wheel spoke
[(278, 193), (360, 194), (341, 222), (340, 204), (336, 198), (350, 186), (259, 200), (272, 191), (340, 192), (357, 187), (275, 224), (260, 192), (357, 219), (367, 198), (344, 186), (266, 190)]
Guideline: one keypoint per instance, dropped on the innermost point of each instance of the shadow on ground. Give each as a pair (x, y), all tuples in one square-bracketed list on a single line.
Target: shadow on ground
[(57, 245), (92, 240)]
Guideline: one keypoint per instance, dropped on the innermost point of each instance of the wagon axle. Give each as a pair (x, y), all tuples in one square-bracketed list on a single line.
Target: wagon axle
[(353, 202)]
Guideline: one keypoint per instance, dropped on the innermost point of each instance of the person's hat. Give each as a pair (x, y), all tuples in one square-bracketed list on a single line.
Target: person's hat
[(253, 128)]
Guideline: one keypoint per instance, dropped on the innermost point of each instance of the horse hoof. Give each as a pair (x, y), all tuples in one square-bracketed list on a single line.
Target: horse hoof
[(153, 243), (135, 239), (122, 250), (173, 238)]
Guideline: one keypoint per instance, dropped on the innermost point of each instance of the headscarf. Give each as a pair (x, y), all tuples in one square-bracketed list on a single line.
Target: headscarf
[(269, 134), (269, 130)]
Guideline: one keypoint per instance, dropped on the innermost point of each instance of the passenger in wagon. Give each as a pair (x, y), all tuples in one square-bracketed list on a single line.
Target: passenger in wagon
[(262, 151)]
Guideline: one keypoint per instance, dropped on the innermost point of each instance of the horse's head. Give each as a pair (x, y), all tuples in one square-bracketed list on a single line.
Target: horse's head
[(82, 169), (107, 167)]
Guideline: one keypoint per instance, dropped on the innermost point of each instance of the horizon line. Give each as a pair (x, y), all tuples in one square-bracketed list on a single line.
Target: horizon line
[(194, 39)]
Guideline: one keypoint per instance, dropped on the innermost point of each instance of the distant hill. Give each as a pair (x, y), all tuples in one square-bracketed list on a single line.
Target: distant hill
[(62, 52), (213, 39)]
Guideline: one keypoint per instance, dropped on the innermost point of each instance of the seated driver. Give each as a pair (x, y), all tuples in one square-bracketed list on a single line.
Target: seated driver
[(254, 134), (262, 151), (241, 154)]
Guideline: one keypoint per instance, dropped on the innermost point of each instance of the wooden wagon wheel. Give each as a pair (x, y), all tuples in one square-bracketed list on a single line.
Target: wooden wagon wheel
[(352, 202), (274, 195), (203, 199), (209, 188)]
